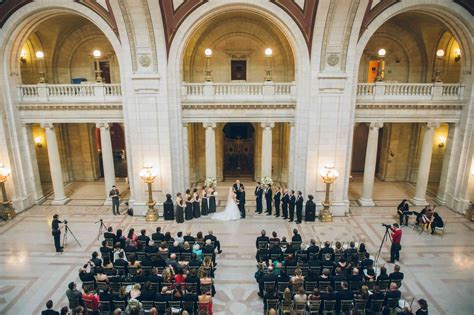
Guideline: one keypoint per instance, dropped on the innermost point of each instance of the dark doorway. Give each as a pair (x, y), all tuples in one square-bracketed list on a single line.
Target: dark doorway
[(238, 149), (105, 67), (238, 69)]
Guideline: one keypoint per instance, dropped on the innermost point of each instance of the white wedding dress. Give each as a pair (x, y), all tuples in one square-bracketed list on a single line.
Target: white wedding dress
[(231, 211)]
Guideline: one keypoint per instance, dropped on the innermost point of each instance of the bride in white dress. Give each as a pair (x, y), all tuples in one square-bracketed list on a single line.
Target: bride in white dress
[(231, 211)]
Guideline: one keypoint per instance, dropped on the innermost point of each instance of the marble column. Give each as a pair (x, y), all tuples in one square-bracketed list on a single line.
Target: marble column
[(210, 149), (186, 156), (107, 159), (424, 166), (450, 162), (291, 155), (55, 165), (267, 149), (370, 162)]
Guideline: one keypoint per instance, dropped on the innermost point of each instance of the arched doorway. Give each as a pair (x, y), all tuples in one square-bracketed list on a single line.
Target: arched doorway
[(239, 144)]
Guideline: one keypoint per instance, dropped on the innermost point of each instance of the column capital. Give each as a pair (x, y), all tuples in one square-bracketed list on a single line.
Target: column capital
[(432, 124), (375, 125), (291, 123), (268, 125), (102, 125), (209, 125), (47, 125), (185, 124)]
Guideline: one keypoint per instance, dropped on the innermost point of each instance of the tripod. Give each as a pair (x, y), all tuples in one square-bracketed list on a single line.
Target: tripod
[(102, 228), (66, 230), (385, 236)]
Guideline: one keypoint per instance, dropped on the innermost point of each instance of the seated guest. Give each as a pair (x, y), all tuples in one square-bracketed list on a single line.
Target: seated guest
[(135, 292), (296, 236), (132, 238), (120, 262), (159, 262), (287, 296), (301, 295), (423, 307), (328, 295), (392, 293), (367, 262), (106, 251), (168, 238), (157, 237), (298, 277), (203, 299), (163, 249), (188, 237), (344, 295), (263, 254), (363, 293), (73, 295), (338, 249), (105, 295), (144, 238), (270, 276), (133, 262), (315, 295), (362, 248), (396, 274), (437, 222), (100, 276), (209, 249), (85, 273), (163, 296), (134, 306), (197, 251), (79, 310), (130, 246), (64, 311), (325, 276), (275, 251), (270, 294), (262, 238), (377, 295), (283, 243), (370, 275), (151, 250), (90, 299), (205, 279), (192, 277), (383, 274), (313, 248), (109, 234), (146, 293), (96, 260), (343, 264), (177, 293), (186, 248), (351, 251), (49, 309), (327, 262), (172, 261), (189, 296), (117, 250), (199, 238), (355, 276), (405, 311), (139, 277), (217, 244), (327, 249), (179, 277), (283, 277), (155, 277), (119, 238), (339, 275), (121, 296), (179, 238), (195, 260), (175, 248), (290, 261), (274, 240)]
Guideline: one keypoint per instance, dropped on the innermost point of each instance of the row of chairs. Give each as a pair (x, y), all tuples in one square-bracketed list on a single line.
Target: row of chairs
[(132, 270), (171, 307), (329, 306), (140, 255), (115, 286), (142, 244)]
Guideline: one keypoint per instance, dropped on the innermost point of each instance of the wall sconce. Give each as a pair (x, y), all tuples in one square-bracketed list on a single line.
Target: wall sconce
[(39, 142), (441, 141), (23, 56), (457, 54)]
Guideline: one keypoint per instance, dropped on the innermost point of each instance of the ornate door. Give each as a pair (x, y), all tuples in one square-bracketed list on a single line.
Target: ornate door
[(238, 157)]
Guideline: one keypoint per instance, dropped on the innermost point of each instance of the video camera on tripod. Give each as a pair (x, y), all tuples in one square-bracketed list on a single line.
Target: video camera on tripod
[(387, 226), (65, 221)]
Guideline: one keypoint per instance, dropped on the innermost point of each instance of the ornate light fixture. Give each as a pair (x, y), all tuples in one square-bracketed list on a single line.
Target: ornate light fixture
[(23, 56), (441, 141), (329, 175), (268, 70), (98, 73), (7, 212), (457, 54), (381, 64), (208, 71), (40, 56), (39, 142), (439, 58), (148, 175)]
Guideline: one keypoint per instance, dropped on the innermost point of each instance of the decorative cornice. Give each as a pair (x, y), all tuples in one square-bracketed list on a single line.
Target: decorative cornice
[(173, 17), (304, 17), (68, 107), (238, 106), (8, 7), (453, 106), (209, 124), (105, 13), (372, 12), (466, 4), (103, 125)]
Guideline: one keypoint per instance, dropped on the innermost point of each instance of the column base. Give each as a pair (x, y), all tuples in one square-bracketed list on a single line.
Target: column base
[(440, 201), (40, 200), (419, 202), (60, 202), (365, 202), (108, 202)]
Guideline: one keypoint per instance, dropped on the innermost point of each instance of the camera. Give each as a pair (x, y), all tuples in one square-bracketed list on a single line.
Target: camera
[(387, 226), (65, 221)]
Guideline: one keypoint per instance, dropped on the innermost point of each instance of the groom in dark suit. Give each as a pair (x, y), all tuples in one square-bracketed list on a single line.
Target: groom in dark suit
[(241, 200), (236, 188), (259, 195)]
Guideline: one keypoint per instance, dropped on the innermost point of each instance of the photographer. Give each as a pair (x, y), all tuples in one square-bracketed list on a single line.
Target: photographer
[(56, 232), (403, 211), (396, 236)]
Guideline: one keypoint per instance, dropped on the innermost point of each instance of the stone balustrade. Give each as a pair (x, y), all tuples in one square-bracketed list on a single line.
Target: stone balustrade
[(381, 91), (235, 92), (69, 93)]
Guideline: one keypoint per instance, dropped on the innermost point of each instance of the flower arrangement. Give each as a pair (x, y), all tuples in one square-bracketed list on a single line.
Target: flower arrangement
[(210, 182), (267, 181)]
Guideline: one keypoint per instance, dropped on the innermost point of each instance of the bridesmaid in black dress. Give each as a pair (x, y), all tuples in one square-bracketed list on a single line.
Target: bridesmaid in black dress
[(212, 201), (196, 202), (179, 208), (188, 212), (310, 210), (204, 200)]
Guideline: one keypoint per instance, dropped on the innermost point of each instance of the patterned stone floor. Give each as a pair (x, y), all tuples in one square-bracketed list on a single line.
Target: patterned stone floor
[(437, 268)]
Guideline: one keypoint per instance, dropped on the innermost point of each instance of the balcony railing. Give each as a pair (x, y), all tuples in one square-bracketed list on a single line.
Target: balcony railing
[(42, 93), (410, 91), (235, 92)]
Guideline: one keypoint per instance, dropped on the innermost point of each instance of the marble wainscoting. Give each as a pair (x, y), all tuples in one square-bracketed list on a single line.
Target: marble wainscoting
[(436, 268)]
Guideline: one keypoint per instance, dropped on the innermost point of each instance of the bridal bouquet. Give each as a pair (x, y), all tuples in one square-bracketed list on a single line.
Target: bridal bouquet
[(210, 182), (267, 181)]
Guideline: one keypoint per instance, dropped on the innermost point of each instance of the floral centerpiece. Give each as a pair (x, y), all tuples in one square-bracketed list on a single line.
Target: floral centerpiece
[(210, 182), (267, 181)]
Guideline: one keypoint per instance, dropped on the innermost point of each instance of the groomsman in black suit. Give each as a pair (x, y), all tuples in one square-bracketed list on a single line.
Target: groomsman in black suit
[(276, 199), (285, 199), (299, 207), (292, 203), (268, 199), (242, 201), (259, 195)]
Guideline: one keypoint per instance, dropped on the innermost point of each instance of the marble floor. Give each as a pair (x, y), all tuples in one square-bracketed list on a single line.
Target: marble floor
[(437, 268)]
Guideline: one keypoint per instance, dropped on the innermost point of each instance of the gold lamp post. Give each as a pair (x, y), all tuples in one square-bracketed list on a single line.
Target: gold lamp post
[(208, 71), (98, 73), (148, 175), (268, 70), (40, 56), (329, 175), (7, 211), (381, 68), (439, 59)]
